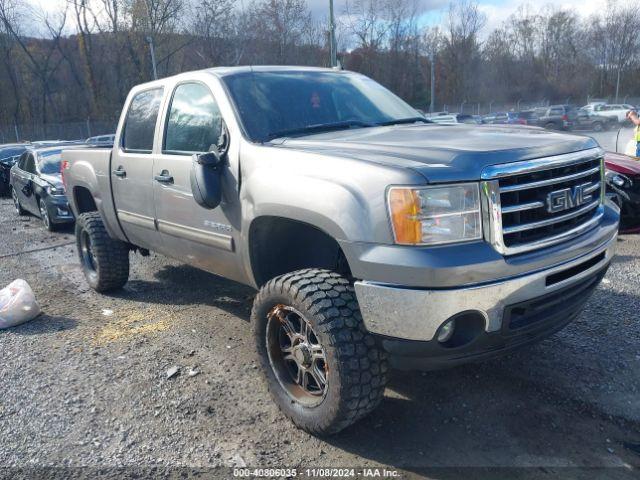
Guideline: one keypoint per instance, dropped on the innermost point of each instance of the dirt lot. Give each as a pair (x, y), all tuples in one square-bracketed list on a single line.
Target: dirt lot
[(85, 385)]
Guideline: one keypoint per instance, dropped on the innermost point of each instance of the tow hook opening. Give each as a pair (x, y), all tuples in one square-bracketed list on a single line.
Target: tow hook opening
[(461, 329)]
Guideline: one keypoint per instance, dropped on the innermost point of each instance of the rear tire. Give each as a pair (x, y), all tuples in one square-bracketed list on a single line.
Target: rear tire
[(550, 126), (105, 261), (598, 127), (309, 321)]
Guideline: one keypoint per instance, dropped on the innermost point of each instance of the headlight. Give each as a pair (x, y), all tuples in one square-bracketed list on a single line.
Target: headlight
[(435, 215), (618, 179), (55, 190)]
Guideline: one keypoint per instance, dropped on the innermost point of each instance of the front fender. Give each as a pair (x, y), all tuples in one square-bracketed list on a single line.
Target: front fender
[(340, 210), (343, 197)]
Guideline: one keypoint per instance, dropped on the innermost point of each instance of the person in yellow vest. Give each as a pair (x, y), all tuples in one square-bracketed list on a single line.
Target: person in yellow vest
[(632, 115)]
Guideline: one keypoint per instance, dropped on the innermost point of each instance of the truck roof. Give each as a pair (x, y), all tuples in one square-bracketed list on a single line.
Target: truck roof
[(230, 71), (225, 71)]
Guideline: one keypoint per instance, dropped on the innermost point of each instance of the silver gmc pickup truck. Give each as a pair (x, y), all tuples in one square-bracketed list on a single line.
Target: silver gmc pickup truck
[(375, 238)]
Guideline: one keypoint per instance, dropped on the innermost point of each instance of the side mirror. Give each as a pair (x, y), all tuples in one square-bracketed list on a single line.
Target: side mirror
[(211, 159), (206, 181)]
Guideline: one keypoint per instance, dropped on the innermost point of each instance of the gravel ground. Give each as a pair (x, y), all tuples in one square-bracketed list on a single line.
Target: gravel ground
[(85, 384), (612, 140)]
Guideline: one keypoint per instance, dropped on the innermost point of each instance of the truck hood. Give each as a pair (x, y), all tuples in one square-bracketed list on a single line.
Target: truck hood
[(441, 153)]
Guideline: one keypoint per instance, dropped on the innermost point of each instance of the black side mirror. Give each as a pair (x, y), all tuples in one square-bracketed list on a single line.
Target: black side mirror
[(206, 181), (211, 159), (206, 172)]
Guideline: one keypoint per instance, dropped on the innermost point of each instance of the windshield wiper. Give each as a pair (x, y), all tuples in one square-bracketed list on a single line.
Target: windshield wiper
[(322, 127), (403, 121)]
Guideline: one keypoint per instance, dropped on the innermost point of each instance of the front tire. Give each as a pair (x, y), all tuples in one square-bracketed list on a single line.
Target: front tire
[(44, 215), (105, 261), (323, 369)]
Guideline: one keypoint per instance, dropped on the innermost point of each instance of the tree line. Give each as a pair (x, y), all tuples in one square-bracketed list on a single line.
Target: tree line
[(80, 62)]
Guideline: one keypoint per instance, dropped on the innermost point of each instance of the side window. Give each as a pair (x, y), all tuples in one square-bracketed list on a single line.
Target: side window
[(22, 160), (194, 122), (30, 164), (139, 128)]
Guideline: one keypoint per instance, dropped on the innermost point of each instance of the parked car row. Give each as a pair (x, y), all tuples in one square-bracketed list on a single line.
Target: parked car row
[(30, 172), (555, 117), (597, 116)]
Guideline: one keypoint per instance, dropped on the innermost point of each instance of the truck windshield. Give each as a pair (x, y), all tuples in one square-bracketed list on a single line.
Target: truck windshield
[(277, 104)]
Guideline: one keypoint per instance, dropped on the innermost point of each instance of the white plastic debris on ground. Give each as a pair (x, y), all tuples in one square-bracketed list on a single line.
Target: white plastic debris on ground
[(17, 304)]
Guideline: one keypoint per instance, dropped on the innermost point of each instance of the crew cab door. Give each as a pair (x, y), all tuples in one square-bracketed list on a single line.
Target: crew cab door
[(199, 236), (23, 177), (132, 169)]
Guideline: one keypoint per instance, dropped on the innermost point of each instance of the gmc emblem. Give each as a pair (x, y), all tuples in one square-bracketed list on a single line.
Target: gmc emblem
[(568, 198)]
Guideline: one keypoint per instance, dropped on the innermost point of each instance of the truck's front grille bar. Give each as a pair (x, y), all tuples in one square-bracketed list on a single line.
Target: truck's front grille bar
[(539, 203), (551, 181), (550, 221)]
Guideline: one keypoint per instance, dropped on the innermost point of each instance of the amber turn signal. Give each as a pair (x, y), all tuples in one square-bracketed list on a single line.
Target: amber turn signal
[(404, 206)]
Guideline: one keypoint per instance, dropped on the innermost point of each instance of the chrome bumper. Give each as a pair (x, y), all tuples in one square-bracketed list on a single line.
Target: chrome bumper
[(412, 314)]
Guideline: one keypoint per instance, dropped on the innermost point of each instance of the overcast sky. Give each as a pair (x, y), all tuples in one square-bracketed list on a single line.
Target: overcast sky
[(496, 11)]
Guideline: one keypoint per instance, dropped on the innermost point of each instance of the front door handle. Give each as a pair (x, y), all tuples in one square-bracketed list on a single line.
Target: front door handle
[(164, 177), (120, 172)]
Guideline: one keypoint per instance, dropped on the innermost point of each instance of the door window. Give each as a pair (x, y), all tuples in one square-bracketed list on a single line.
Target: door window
[(140, 125), (194, 123), (30, 164), (22, 160)]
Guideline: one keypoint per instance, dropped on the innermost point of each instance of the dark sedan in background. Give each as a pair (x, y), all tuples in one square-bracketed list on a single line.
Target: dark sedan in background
[(589, 120), (522, 118), (9, 155), (37, 186)]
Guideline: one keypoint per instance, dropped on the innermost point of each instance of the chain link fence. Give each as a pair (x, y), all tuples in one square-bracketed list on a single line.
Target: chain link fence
[(89, 128), (56, 131)]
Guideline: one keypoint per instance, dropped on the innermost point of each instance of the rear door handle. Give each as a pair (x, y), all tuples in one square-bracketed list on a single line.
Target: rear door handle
[(164, 177), (120, 172)]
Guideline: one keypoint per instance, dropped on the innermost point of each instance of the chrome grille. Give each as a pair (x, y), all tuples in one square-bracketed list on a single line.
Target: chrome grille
[(539, 203)]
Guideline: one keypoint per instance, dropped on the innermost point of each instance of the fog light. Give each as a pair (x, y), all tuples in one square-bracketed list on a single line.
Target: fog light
[(446, 331)]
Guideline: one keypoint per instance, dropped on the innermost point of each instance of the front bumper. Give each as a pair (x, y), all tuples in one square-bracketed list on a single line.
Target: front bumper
[(400, 314), (59, 210)]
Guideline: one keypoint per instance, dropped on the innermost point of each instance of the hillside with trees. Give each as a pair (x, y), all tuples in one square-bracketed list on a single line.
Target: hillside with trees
[(80, 62)]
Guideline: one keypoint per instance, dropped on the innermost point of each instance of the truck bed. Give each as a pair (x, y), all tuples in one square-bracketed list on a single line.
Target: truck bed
[(89, 169)]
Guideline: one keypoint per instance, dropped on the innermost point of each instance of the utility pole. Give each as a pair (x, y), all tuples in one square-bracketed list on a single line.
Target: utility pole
[(332, 36), (153, 57), (432, 59)]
